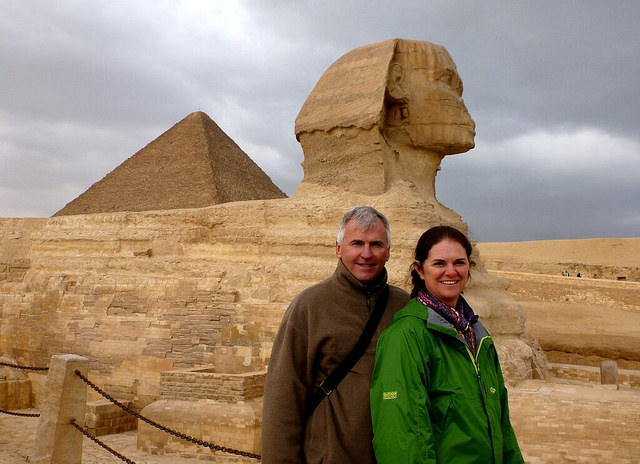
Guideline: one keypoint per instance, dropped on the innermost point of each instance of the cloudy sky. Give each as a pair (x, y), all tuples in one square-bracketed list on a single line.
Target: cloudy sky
[(553, 86)]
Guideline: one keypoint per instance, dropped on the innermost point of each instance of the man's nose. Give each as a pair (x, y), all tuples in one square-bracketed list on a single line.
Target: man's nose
[(366, 252)]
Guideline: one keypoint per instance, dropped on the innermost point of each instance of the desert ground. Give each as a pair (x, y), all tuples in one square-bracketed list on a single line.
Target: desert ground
[(577, 321)]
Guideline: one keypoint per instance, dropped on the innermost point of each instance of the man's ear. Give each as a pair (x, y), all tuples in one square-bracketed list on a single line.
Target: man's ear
[(338, 251)]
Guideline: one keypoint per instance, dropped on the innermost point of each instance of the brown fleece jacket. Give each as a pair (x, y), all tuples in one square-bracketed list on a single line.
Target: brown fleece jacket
[(319, 329)]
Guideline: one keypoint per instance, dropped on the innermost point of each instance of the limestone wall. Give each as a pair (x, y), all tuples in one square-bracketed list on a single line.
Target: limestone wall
[(204, 384), (143, 293), (15, 246), (627, 378)]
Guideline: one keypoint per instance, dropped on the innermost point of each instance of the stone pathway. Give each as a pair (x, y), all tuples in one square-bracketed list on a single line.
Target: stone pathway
[(556, 423), (17, 443), (570, 422)]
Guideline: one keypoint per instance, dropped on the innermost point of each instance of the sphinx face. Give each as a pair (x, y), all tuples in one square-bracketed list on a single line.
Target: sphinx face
[(424, 106)]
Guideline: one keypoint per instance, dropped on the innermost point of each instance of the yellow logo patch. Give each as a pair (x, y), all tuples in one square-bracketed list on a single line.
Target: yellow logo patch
[(492, 390), (389, 395)]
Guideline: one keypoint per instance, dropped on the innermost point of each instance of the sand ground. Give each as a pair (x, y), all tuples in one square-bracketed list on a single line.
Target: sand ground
[(18, 434), (580, 321), (557, 423)]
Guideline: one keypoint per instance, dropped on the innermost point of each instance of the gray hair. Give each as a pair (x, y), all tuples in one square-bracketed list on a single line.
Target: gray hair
[(365, 218)]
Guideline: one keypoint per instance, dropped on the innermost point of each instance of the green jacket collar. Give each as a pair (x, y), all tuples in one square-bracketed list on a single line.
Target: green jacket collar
[(434, 320)]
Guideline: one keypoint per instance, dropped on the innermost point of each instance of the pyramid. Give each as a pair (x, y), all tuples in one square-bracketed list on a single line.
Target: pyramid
[(192, 165)]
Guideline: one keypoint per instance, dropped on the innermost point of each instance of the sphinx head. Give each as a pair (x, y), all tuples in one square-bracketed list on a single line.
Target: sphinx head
[(384, 114), (423, 100)]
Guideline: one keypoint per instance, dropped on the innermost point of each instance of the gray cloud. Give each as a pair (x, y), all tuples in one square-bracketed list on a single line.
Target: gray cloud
[(551, 86)]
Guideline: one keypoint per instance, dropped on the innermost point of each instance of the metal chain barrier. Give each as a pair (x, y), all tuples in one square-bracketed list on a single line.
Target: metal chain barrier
[(28, 368), (162, 427), (21, 414), (104, 445)]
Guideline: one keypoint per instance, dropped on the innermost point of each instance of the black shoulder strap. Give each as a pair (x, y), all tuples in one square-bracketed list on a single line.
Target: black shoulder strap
[(331, 382)]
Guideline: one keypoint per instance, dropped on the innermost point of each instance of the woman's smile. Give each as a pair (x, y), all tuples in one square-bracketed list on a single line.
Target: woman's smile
[(445, 271)]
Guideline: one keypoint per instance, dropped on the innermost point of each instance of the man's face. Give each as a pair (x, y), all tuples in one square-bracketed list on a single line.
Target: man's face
[(364, 253)]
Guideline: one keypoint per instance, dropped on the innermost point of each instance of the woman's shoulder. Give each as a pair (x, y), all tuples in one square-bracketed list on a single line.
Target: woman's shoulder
[(411, 318), (411, 313), (409, 331)]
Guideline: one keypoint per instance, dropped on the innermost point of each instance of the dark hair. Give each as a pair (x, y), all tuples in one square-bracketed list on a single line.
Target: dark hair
[(432, 237)]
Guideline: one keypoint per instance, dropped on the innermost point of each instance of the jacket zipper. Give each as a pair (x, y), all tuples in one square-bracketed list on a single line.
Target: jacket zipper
[(474, 361), (476, 365)]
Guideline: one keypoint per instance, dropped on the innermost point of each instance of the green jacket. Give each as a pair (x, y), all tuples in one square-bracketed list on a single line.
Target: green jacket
[(431, 402)]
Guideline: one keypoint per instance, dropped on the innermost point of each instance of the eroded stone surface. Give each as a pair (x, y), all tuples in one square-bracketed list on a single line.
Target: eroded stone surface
[(382, 115)]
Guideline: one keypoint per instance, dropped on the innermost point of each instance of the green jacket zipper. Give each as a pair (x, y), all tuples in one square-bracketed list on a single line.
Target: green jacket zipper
[(483, 393)]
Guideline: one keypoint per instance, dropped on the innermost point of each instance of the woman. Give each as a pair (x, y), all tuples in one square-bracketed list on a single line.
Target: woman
[(437, 391)]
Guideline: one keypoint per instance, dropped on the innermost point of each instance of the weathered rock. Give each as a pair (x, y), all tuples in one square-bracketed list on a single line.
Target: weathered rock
[(15, 386)]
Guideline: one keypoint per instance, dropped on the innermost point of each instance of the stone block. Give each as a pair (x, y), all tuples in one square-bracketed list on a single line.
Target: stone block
[(3, 395), (237, 425), (104, 417), (204, 383), (609, 372), (15, 394)]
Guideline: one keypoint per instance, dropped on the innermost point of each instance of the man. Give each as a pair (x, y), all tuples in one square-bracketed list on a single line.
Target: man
[(319, 330)]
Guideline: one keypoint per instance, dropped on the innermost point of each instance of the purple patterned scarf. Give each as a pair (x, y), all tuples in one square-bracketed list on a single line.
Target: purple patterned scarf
[(461, 317)]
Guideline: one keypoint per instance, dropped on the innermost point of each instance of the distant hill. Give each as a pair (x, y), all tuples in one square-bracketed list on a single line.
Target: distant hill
[(609, 258)]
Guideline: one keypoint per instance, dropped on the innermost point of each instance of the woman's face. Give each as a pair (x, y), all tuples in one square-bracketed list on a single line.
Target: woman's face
[(445, 271)]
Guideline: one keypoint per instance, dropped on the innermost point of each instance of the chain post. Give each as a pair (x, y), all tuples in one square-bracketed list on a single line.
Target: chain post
[(57, 441)]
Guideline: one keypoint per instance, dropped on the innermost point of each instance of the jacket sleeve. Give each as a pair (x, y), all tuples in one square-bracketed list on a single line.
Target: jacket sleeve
[(511, 453), (402, 431), (285, 393)]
